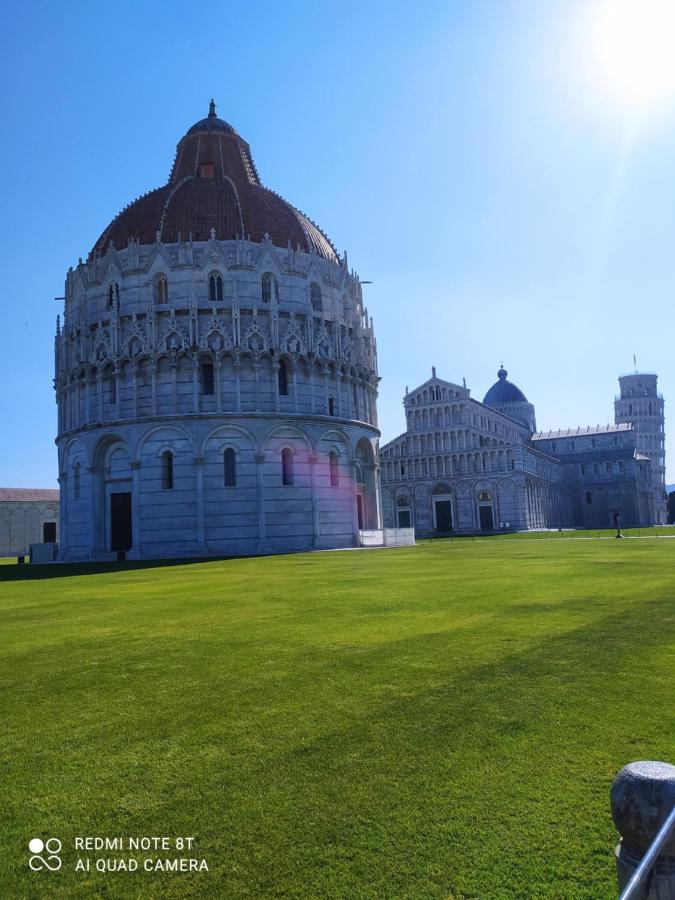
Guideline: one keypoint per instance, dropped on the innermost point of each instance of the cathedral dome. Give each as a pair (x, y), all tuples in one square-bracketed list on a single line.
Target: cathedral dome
[(214, 185), (503, 391)]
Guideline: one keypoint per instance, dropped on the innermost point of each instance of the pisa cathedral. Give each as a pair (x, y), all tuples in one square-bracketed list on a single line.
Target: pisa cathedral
[(465, 466), (216, 383), (216, 374)]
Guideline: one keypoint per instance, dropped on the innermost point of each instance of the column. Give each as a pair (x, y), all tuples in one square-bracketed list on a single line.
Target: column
[(136, 372), (338, 387), (135, 509), (153, 387), (260, 479), (237, 384), (195, 385), (174, 382), (116, 377), (199, 472), (95, 542), (275, 376), (88, 417), (218, 368), (310, 374), (256, 375), (372, 511), (355, 511), (63, 515), (313, 460), (378, 498)]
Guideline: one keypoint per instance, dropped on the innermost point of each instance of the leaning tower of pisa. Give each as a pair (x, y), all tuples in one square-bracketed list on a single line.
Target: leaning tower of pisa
[(639, 402)]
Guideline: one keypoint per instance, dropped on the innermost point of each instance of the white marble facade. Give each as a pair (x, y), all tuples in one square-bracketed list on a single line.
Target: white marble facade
[(215, 397), (463, 466)]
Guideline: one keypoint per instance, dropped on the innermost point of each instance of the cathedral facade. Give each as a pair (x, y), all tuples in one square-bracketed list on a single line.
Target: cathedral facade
[(216, 374), (463, 466)]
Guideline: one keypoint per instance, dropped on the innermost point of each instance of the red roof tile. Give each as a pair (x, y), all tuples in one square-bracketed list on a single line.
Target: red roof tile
[(214, 184), (29, 495)]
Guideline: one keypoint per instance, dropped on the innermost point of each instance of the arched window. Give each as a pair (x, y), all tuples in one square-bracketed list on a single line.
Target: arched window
[(230, 467), (76, 480), (167, 470), (215, 287), (161, 289), (283, 377), (286, 466), (334, 465), (113, 300), (112, 386), (315, 297), (270, 288), (208, 378)]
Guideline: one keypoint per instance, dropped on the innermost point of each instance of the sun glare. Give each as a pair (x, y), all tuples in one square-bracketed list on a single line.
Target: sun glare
[(633, 44)]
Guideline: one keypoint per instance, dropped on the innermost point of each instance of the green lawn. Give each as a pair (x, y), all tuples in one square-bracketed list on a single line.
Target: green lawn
[(436, 721)]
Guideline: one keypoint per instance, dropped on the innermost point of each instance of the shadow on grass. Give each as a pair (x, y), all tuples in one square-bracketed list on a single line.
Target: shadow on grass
[(36, 572)]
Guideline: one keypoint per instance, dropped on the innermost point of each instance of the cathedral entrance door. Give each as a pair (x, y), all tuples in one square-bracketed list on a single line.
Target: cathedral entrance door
[(120, 521), (486, 518), (443, 515)]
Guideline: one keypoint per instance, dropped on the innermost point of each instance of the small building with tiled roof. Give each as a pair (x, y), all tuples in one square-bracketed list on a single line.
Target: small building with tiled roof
[(27, 516)]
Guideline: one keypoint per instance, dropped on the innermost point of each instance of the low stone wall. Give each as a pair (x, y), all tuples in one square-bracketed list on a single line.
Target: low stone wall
[(387, 537), (399, 537), (44, 553)]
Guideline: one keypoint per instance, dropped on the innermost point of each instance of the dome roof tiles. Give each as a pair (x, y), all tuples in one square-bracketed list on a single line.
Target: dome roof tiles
[(214, 184)]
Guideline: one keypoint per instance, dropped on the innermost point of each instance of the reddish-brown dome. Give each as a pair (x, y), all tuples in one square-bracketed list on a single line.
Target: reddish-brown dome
[(214, 184)]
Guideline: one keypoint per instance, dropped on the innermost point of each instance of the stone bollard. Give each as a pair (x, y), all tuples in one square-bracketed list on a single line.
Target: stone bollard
[(642, 798)]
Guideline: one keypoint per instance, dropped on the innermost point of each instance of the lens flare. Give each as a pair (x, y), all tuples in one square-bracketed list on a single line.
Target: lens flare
[(633, 43)]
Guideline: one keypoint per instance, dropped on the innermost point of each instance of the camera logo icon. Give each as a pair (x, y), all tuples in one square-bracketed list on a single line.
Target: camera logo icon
[(49, 859)]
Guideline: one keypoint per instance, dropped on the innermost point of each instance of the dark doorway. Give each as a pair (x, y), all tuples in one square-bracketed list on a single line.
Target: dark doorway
[(443, 515), (486, 519), (120, 521), (49, 533), (359, 510), (404, 518)]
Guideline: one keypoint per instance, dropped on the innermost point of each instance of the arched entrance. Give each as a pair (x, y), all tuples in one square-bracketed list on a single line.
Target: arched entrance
[(441, 508), (403, 513), (115, 523), (486, 515)]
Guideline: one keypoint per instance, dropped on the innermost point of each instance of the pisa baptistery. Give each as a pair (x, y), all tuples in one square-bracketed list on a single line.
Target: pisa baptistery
[(216, 374)]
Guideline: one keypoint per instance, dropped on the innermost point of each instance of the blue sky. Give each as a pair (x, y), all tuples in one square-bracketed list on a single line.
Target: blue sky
[(504, 207)]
